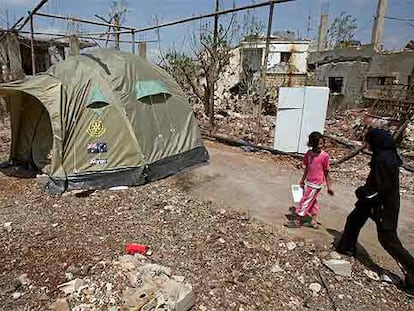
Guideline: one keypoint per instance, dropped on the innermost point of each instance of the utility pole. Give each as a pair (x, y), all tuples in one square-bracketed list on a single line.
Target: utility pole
[(133, 41), (309, 27), (143, 49), (117, 23), (323, 26), (214, 68), (263, 72), (378, 29), (216, 22)]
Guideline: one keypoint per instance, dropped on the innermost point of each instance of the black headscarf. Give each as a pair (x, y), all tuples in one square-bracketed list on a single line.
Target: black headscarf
[(384, 149)]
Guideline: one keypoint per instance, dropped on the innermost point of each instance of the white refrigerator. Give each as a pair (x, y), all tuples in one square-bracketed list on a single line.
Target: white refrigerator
[(301, 110)]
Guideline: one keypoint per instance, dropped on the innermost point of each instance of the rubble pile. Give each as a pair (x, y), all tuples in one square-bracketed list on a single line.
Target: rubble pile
[(235, 116), (130, 282), (344, 123), (408, 140), (70, 248)]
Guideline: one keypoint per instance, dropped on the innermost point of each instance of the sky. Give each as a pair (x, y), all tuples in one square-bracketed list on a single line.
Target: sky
[(300, 16)]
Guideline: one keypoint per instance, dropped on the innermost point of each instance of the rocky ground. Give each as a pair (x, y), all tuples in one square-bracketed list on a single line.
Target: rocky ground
[(232, 261)]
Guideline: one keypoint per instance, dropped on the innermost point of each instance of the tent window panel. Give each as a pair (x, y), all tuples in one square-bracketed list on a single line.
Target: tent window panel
[(97, 101), (155, 99), (152, 90), (97, 105)]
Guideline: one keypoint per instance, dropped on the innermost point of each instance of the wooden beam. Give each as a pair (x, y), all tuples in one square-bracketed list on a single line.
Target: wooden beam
[(74, 45), (32, 45), (59, 35), (143, 50), (15, 59)]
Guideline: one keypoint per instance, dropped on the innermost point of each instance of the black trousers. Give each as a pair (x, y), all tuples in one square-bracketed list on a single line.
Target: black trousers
[(388, 239)]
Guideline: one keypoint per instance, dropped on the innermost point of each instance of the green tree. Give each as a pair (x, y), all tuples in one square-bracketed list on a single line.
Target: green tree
[(199, 71), (342, 31)]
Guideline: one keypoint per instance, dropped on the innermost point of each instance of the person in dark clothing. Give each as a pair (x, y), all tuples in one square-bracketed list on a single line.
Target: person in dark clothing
[(379, 199)]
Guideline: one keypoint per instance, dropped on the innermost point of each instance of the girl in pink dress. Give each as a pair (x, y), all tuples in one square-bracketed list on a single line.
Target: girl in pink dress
[(316, 174)]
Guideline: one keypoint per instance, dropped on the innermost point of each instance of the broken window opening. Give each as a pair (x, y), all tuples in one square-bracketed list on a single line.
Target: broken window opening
[(336, 84), (285, 57), (379, 82)]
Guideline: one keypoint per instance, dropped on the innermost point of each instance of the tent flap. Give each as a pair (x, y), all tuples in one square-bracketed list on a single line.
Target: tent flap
[(96, 96), (148, 88)]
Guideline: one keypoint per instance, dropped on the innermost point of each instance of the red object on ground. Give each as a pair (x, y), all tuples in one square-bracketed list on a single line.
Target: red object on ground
[(134, 248)]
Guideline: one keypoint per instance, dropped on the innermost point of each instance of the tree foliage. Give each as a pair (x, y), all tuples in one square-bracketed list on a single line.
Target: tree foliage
[(342, 30), (199, 72)]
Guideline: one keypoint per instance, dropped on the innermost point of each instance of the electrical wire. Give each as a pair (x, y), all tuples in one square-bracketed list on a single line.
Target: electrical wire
[(399, 19)]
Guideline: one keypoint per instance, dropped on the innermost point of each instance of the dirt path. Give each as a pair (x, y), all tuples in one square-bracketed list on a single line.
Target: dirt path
[(244, 181)]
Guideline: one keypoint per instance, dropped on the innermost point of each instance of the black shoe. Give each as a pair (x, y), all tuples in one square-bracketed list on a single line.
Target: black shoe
[(351, 252), (409, 291)]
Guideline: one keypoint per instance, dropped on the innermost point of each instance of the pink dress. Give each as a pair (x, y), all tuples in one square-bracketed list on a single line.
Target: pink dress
[(317, 165)]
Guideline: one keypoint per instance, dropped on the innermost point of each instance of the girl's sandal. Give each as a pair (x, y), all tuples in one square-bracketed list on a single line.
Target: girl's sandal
[(314, 225)]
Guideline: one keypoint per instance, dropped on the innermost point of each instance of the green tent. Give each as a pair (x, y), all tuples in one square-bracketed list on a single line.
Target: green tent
[(100, 120)]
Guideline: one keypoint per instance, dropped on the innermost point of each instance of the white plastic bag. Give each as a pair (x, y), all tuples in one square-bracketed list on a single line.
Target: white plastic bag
[(297, 193)]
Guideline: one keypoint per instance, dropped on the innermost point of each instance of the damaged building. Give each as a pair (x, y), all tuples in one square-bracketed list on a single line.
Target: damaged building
[(286, 66), (356, 75)]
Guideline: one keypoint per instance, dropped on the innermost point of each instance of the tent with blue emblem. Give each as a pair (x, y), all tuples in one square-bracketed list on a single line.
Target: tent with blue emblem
[(100, 120)]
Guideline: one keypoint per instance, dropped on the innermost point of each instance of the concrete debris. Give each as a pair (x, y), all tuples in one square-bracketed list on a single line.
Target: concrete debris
[(60, 305), (128, 262), (23, 279), (276, 269), (17, 295), (130, 283), (169, 208), (8, 227), (291, 246), (71, 287), (334, 255), (68, 276), (158, 290), (315, 288), (339, 266), (301, 279), (372, 275)]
